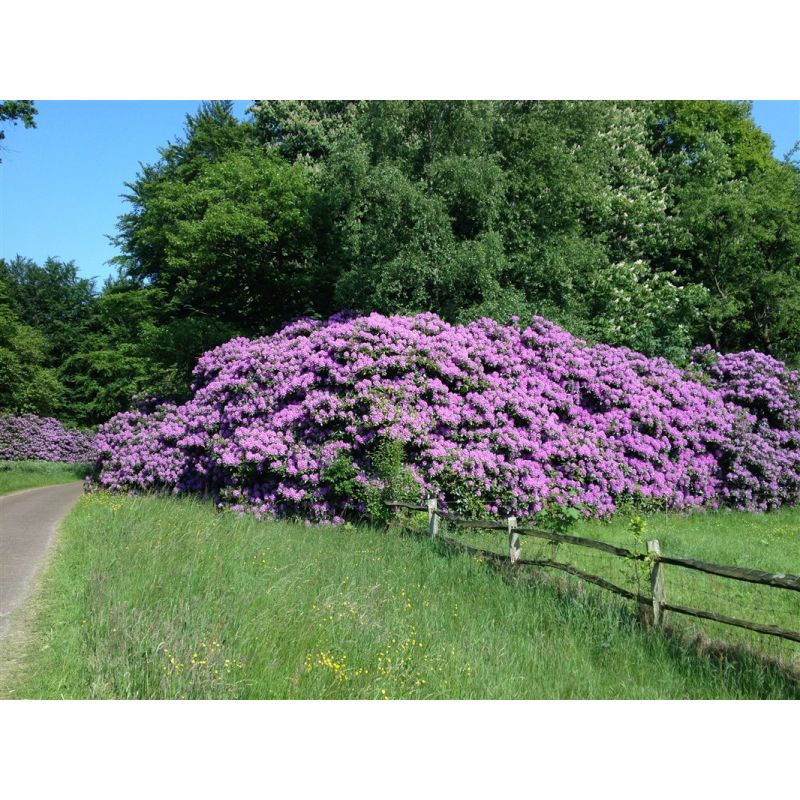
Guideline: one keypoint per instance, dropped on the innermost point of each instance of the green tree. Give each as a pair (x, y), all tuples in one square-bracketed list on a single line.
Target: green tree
[(26, 384), (130, 352), (110, 367), (15, 111), (223, 228), (659, 225), (737, 212), (411, 194), (303, 130), (52, 299)]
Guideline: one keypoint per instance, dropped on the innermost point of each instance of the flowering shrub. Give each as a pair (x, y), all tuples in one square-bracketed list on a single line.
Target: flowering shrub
[(28, 437), (328, 418), (763, 466)]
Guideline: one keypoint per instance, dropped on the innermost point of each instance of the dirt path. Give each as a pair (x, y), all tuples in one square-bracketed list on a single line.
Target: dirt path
[(28, 522)]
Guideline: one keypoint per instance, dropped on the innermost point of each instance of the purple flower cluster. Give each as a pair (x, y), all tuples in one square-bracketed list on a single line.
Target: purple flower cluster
[(763, 465), (28, 437), (491, 417)]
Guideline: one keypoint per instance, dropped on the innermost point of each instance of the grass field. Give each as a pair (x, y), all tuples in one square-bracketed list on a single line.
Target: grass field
[(16, 475), (167, 598), (769, 542)]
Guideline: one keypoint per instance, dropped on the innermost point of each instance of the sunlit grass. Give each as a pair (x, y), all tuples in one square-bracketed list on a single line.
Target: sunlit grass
[(168, 598), (16, 475), (768, 542)]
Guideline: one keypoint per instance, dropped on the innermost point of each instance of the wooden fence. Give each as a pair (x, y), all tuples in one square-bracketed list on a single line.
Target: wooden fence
[(654, 559)]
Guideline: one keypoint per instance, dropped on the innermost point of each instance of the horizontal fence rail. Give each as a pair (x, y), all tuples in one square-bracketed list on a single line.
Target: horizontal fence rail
[(543, 562), (654, 557), (779, 580), (770, 630)]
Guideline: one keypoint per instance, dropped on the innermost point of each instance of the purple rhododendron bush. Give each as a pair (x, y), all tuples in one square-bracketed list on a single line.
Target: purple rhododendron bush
[(325, 419), (30, 438)]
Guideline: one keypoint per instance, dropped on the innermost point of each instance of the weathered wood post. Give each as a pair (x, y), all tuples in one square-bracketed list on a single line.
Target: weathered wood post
[(433, 518), (657, 583), (513, 540)]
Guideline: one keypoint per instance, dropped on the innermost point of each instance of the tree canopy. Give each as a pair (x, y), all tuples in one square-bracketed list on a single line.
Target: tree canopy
[(659, 225), (15, 111)]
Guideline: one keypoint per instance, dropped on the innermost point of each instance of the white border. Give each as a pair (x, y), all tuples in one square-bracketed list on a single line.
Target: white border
[(167, 50), (170, 49), (545, 749)]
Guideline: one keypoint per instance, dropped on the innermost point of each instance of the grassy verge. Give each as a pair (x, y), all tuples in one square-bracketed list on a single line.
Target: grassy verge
[(16, 475), (166, 598), (769, 542)]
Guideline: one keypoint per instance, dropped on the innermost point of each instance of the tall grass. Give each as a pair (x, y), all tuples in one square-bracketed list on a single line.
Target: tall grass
[(167, 598), (16, 475), (769, 542)]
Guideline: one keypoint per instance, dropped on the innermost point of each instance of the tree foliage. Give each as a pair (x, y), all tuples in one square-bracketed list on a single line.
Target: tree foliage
[(737, 213), (51, 298), (659, 225), (15, 111), (26, 383), (222, 227)]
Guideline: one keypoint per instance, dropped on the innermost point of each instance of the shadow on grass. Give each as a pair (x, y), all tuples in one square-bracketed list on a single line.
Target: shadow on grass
[(748, 667), (736, 665)]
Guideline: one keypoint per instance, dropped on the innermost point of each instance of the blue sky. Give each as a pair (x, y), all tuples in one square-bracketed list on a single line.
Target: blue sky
[(60, 184)]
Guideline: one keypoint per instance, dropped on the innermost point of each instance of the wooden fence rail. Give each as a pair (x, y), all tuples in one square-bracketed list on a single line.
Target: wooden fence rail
[(656, 559)]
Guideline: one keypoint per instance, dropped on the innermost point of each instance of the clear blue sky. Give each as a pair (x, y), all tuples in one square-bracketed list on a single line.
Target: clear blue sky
[(60, 184)]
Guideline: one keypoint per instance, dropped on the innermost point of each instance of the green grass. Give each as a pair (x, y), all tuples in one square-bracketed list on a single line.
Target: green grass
[(16, 475), (166, 598), (769, 542)]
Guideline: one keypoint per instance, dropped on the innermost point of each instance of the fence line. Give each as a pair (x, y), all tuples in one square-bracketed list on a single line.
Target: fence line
[(770, 630), (654, 557), (544, 562), (778, 580)]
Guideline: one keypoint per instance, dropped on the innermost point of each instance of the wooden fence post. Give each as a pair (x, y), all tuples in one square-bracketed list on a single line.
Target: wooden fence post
[(513, 540), (433, 518), (657, 583)]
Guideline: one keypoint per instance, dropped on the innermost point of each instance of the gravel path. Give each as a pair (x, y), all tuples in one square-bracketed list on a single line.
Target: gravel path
[(28, 522)]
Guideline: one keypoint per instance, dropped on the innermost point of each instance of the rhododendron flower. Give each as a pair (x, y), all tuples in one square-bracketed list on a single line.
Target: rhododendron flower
[(489, 416)]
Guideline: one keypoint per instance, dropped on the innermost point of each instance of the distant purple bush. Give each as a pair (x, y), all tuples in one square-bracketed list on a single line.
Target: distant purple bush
[(489, 418), (763, 466), (28, 437)]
